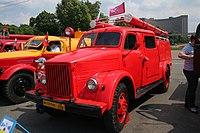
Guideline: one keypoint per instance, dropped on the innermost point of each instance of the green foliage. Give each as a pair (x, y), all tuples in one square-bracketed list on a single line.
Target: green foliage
[(26, 29), (119, 23), (22, 29), (93, 8), (175, 48), (176, 37), (73, 13), (32, 22), (45, 22), (14, 29)]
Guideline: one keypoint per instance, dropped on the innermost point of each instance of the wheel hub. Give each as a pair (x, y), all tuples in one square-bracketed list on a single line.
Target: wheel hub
[(20, 86), (122, 108)]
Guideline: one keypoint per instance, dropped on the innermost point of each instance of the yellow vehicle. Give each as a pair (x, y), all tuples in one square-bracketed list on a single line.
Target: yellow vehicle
[(17, 68)]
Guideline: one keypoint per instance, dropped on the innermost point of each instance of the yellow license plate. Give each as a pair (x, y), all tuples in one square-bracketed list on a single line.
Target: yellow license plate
[(54, 105)]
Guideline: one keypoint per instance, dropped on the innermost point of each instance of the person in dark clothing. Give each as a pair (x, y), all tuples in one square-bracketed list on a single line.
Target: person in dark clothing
[(187, 54)]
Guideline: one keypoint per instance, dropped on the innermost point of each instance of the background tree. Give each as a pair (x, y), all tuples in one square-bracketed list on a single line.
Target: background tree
[(26, 29), (22, 29), (73, 13), (176, 37), (32, 21), (13, 29), (45, 22), (93, 8)]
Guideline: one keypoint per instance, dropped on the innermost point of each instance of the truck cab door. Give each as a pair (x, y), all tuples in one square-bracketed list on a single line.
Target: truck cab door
[(151, 60), (55, 48), (131, 58)]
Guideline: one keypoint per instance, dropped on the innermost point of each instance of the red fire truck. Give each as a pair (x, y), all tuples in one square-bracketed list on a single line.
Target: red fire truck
[(13, 42), (111, 65), (17, 68)]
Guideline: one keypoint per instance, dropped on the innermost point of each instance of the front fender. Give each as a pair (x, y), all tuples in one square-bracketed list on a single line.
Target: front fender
[(107, 83), (13, 69)]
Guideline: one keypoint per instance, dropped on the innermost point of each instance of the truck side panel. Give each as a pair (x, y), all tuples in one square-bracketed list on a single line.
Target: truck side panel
[(10, 71)]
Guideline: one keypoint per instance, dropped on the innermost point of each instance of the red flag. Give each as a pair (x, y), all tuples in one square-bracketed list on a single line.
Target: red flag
[(45, 40), (117, 10), (5, 29)]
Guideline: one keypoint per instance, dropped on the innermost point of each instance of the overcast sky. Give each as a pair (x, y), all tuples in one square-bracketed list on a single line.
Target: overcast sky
[(19, 11)]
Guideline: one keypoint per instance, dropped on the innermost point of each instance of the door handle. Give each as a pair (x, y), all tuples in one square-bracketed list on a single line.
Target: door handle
[(144, 58)]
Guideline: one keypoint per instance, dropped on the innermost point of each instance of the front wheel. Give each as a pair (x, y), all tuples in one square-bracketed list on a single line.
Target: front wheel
[(16, 87), (115, 118)]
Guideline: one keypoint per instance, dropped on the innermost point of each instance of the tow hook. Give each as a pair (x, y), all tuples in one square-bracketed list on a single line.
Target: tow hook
[(39, 108), (39, 92), (71, 100)]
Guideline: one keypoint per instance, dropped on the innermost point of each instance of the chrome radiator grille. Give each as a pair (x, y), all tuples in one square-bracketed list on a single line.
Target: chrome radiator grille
[(58, 80)]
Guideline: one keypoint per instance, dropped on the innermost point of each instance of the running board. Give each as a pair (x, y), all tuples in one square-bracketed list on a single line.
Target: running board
[(143, 90)]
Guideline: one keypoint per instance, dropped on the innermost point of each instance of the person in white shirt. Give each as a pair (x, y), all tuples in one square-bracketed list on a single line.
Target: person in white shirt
[(54, 48), (187, 54)]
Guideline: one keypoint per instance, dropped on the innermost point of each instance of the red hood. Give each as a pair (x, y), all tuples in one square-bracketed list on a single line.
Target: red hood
[(87, 54)]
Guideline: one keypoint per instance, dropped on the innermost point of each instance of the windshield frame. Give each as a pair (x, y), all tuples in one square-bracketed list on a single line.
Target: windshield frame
[(27, 46), (95, 39)]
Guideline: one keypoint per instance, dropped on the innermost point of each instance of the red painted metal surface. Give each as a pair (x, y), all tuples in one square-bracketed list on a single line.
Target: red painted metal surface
[(92, 61), (58, 81), (7, 43), (16, 36), (137, 67), (144, 25), (122, 108), (20, 37)]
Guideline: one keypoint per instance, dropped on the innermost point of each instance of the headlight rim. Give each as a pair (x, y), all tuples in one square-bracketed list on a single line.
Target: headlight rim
[(95, 83), (43, 78)]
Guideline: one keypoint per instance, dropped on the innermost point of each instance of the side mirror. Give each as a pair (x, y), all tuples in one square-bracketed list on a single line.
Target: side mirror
[(69, 31), (137, 45)]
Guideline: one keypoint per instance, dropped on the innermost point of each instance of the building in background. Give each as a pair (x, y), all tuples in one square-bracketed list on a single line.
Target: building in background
[(178, 24)]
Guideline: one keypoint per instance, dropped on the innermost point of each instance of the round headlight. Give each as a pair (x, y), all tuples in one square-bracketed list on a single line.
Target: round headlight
[(92, 84), (93, 24), (128, 17), (69, 31), (43, 79)]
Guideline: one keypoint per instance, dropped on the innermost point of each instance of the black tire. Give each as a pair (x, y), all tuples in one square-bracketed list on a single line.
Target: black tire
[(115, 118), (165, 84), (16, 86)]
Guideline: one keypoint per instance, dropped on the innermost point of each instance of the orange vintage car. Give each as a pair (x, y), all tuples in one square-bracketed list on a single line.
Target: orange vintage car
[(17, 68)]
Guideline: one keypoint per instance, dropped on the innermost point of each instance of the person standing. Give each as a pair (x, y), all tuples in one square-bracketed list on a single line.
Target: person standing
[(187, 54), (40, 68)]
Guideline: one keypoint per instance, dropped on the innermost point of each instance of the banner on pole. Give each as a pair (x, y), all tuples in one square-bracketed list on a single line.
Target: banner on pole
[(117, 10)]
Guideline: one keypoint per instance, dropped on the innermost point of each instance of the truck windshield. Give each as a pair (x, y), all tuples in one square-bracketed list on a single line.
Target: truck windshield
[(102, 39), (87, 40), (34, 44)]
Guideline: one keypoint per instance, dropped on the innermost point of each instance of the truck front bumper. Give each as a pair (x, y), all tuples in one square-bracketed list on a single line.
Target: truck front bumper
[(83, 107)]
